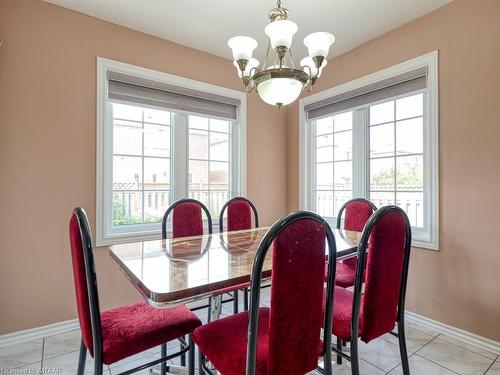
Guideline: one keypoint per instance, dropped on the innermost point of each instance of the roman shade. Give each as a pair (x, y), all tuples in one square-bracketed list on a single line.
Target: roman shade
[(145, 91), (398, 85)]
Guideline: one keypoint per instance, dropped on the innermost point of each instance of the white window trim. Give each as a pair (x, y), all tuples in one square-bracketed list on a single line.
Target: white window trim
[(103, 137), (431, 169)]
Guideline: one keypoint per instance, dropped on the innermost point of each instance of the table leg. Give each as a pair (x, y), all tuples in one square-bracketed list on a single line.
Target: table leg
[(215, 312), (215, 307)]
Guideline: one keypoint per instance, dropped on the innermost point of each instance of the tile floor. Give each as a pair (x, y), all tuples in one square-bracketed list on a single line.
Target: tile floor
[(430, 353)]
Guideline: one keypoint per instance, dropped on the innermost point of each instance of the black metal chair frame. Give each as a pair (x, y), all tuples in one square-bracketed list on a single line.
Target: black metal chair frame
[(354, 200), (256, 281), (95, 314), (356, 305), (221, 229)]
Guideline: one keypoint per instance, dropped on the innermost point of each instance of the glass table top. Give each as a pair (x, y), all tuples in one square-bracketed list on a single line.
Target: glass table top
[(179, 270)]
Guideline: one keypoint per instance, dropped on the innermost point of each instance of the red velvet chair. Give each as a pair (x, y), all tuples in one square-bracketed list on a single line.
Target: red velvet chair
[(357, 213), (384, 250), (113, 335), (239, 217), (186, 219), (285, 338)]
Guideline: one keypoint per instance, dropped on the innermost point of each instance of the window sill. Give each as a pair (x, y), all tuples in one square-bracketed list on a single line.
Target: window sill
[(425, 245), (118, 238), (144, 235)]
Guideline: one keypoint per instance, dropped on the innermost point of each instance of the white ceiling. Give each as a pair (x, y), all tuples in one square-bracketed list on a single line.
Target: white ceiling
[(207, 25)]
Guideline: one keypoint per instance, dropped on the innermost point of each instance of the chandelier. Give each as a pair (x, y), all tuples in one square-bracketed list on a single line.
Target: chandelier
[(279, 82)]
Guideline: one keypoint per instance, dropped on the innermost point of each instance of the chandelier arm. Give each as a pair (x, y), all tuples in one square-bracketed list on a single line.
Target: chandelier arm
[(247, 83), (264, 64), (311, 76), (291, 58), (250, 74), (275, 60)]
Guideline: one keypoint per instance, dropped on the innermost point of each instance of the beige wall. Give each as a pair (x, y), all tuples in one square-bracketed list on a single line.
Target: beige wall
[(460, 284), (47, 149)]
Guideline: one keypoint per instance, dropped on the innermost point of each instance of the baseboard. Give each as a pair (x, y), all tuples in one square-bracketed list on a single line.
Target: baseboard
[(70, 325), (38, 332), (471, 338)]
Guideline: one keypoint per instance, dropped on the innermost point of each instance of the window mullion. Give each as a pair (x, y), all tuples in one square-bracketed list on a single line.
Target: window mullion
[(395, 158), (334, 214), (209, 164), (142, 167), (311, 177), (233, 184), (236, 187), (180, 155), (360, 155)]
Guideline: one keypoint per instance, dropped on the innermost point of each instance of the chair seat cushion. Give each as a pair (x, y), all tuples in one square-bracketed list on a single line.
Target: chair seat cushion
[(342, 312), (351, 262), (345, 276), (131, 329), (224, 342)]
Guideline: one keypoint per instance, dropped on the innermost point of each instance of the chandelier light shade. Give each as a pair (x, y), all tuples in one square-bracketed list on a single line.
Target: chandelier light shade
[(242, 47), (280, 33), (279, 90), (277, 81), (318, 44)]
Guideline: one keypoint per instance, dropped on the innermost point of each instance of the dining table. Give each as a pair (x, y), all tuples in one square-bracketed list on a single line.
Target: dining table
[(184, 270)]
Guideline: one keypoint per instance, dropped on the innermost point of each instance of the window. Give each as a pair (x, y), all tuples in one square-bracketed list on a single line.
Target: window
[(375, 138), (162, 138), (209, 162)]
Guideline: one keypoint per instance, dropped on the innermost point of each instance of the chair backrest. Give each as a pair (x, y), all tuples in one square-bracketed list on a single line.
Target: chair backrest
[(386, 241), (357, 213), (87, 298), (239, 214), (297, 294), (186, 218)]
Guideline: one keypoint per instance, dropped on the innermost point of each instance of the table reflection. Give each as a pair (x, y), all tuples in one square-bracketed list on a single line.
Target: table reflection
[(185, 250), (242, 241)]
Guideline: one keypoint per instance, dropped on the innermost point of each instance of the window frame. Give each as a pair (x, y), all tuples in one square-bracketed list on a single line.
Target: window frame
[(428, 238), (106, 234)]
